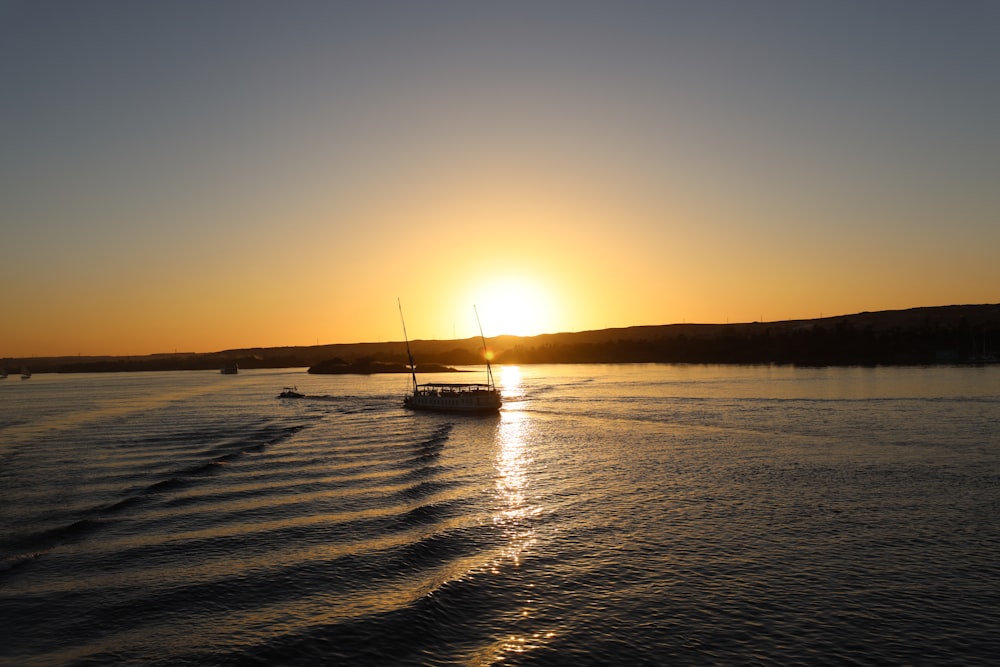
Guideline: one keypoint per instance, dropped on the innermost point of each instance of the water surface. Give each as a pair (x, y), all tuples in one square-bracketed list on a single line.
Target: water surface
[(645, 514)]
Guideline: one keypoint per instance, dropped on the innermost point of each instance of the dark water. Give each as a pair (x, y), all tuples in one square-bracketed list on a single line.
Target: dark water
[(634, 514)]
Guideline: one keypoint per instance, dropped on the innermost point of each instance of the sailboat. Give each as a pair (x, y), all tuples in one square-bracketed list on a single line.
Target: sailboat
[(25, 373), (467, 397)]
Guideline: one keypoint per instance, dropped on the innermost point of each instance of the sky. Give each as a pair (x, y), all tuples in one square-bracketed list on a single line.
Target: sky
[(208, 175)]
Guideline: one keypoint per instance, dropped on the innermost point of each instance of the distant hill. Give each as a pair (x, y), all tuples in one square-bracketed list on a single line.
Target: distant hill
[(943, 334), (369, 366), (947, 334)]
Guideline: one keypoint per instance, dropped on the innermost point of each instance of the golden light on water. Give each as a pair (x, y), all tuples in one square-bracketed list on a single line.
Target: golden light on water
[(512, 461), (512, 482), (510, 382), (515, 512)]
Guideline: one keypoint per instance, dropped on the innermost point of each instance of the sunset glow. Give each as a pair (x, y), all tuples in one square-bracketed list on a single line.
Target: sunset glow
[(281, 179), (516, 307)]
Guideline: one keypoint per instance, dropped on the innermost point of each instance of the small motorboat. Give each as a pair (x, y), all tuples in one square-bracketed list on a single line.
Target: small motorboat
[(291, 392)]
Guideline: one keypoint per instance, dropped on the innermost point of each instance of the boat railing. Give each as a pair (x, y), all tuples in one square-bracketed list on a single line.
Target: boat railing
[(450, 388)]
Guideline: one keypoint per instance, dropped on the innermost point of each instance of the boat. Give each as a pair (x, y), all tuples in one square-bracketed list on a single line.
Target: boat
[(472, 398), (984, 357), (230, 368), (291, 392), (462, 397), (25, 373), (3, 373)]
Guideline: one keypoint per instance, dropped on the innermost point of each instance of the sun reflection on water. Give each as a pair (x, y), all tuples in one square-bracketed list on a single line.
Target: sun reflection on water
[(510, 382), (512, 459), (514, 516)]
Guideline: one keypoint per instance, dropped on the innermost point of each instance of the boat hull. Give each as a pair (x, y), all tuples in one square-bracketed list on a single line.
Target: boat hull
[(471, 410), (470, 399)]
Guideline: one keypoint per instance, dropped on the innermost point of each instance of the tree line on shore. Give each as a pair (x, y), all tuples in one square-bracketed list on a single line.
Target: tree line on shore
[(842, 344), (947, 334)]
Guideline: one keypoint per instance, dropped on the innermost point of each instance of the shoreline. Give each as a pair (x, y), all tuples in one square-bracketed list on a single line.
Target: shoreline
[(967, 335)]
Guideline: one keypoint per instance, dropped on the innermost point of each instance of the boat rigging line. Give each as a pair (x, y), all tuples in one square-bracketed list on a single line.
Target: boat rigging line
[(409, 355)]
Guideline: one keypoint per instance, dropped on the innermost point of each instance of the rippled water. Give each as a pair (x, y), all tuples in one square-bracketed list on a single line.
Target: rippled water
[(643, 514)]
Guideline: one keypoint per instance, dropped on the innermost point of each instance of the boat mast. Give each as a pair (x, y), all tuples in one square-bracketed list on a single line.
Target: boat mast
[(413, 371), (486, 354)]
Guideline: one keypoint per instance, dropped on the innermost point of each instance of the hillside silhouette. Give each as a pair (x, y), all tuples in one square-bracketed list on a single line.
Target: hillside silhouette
[(943, 334)]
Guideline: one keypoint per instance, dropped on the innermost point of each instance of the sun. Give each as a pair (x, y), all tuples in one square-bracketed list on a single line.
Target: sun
[(514, 306)]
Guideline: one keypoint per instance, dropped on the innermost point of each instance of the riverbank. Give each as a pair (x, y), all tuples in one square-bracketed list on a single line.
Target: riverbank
[(944, 334)]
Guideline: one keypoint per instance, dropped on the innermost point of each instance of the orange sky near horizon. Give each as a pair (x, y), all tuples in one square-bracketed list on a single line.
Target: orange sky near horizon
[(197, 178)]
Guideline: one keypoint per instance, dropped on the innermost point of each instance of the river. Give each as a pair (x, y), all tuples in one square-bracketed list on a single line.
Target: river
[(610, 514)]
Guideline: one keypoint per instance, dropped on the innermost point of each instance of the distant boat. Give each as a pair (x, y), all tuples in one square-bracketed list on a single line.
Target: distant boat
[(291, 392), (25, 373), (472, 398), (3, 373), (230, 368), (984, 357)]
